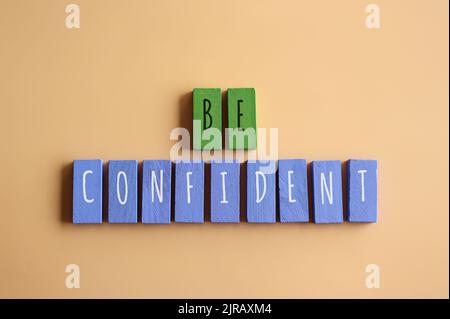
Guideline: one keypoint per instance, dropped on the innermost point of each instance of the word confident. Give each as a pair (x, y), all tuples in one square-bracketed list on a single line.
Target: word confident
[(285, 189)]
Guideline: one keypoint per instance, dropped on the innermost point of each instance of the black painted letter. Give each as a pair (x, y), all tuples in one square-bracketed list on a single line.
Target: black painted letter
[(239, 113), (206, 109)]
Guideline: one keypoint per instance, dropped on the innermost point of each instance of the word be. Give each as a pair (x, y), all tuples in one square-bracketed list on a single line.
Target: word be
[(207, 119), (289, 182)]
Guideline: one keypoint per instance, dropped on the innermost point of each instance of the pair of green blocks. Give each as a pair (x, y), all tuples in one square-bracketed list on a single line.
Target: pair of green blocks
[(207, 111)]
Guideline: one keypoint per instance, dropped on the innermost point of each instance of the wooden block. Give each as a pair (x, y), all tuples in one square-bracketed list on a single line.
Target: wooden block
[(327, 192), (207, 109), (87, 191), (122, 184), (225, 192), (293, 190), (189, 192), (261, 200), (242, 119), (362, 191), (156, 190)]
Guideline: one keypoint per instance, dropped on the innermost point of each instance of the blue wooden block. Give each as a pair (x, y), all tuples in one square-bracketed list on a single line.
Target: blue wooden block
[(327, 192), (189, 191), (87, 191), (362, 191), (293, 190), (225, 192), (122, 200), (261, 199), (156, 190)]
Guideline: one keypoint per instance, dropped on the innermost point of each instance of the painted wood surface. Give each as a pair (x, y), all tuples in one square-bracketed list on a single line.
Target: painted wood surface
[(189, 192), (225, 192), (293, 191), (362, 193), (156, 191), (261, 197), (87, 191), (327, 192), (242, 132), (122, 184)]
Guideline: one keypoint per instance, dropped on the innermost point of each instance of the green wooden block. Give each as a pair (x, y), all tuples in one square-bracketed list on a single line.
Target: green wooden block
[(241, 119), (207, 116)]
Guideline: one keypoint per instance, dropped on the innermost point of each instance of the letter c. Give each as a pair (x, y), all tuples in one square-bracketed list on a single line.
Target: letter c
[(86, 199)]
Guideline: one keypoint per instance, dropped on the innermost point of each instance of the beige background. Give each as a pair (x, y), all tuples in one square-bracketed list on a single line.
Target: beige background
[(116, 87)]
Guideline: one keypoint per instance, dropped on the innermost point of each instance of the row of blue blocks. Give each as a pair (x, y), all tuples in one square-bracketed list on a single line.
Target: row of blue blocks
[(189, 192)]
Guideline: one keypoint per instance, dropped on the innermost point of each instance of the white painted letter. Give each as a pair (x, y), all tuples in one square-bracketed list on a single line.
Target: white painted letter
[(224, 192), (87, 200), (258, 198), (73, 19), (188, 186), (159, 190), (329, 191), (363, 195), (290, 186), (124, 201)]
